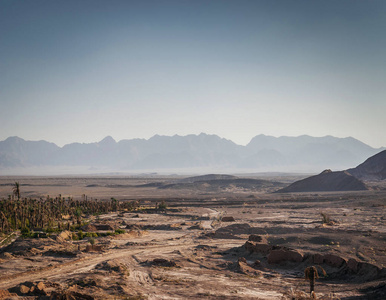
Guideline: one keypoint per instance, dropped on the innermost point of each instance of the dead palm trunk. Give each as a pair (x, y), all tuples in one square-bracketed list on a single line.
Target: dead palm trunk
[(311, 274)]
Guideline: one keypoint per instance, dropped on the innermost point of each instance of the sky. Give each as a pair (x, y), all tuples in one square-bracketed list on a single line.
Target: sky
[(78, 71)]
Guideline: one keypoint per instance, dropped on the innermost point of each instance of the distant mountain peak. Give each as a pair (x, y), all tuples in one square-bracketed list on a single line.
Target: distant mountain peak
[(107, 140), (13, 139)]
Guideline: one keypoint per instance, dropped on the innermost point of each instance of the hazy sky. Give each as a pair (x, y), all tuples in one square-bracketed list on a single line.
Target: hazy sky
[(81, 70)]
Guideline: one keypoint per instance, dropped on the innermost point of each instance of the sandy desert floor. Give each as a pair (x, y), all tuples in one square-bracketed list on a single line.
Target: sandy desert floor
[(188, 251)]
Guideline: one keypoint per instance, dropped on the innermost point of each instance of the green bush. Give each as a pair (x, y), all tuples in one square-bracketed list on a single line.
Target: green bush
[(52, 230), (119, 231), (91, 234), (162, 205), (25, 232), (80, 234)]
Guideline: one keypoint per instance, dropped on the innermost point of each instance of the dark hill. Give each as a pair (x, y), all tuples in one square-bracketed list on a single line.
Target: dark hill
[(207, 177), (327, 181), (232, 182), (374, 168)]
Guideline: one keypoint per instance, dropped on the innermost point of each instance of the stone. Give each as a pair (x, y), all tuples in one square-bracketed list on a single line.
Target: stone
[(24, 289), (40, 288)]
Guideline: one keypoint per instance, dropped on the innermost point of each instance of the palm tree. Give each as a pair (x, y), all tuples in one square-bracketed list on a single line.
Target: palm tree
[(16, 190)]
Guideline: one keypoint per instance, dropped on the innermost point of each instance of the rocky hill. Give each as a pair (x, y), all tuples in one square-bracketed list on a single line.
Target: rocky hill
[(208, 177), (325, 182), (374, 168)]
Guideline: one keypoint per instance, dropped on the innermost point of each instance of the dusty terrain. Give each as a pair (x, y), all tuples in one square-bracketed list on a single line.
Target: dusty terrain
[(190, 250)]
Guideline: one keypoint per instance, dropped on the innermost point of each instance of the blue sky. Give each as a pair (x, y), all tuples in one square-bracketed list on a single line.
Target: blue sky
[(81, 70)]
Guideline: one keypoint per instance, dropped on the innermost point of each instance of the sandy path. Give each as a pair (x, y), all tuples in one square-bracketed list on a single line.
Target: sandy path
[(83, 265)]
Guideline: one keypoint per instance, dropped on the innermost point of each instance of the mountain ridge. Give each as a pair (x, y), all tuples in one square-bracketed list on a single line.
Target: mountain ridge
[(263, 153)]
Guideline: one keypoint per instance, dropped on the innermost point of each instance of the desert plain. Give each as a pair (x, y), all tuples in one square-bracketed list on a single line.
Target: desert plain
[(213, 238)]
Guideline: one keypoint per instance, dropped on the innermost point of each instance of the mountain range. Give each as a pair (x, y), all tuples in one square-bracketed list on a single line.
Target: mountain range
[(203, 151)]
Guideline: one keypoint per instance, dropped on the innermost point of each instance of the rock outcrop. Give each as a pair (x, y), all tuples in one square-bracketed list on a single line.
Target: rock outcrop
[(281, 255)]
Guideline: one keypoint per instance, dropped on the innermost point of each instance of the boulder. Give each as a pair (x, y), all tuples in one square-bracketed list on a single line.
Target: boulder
[(333, 260), (257, 238), (257, 247), (23, 289), (228, 219), (284, 255), (40, 288)]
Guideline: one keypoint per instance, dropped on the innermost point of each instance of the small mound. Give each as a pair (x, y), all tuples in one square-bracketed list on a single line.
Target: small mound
[(162, 262), (113, 266)]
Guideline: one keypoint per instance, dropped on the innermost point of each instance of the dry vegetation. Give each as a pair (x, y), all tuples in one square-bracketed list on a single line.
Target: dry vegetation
[(151, 243)]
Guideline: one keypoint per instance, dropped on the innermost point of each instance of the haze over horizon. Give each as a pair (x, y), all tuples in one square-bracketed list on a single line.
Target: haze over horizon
[(78, 71)]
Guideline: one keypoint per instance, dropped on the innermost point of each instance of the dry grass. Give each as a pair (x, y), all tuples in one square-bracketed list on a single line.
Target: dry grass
[(295, 294)]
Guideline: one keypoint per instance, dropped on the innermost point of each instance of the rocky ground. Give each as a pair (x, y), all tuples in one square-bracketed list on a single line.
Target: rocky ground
[(228, 245)]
